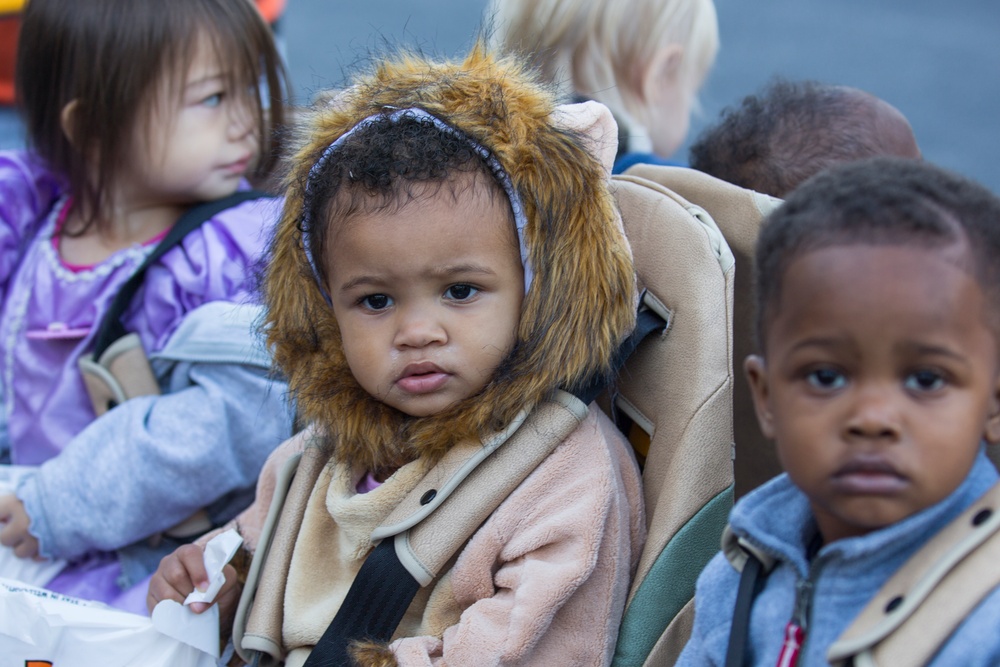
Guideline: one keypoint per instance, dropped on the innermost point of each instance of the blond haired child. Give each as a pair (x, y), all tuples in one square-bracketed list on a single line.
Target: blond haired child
[(136, 111), (450, 259), (879, 380), (645, 60)]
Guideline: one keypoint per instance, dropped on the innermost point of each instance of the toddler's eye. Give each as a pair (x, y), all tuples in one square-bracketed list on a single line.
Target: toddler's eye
[(376, 301), (212, 100), (826, 378), (461, 292), (923, 381)]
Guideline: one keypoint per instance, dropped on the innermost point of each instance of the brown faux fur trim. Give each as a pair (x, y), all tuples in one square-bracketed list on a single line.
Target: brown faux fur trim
[(579, 307), (371, 654)]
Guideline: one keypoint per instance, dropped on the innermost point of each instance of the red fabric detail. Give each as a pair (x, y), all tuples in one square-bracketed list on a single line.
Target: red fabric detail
[(271, 10), (9, 27), (794, 638)]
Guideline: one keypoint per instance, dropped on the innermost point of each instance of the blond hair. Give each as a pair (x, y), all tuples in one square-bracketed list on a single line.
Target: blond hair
[(599, 48)]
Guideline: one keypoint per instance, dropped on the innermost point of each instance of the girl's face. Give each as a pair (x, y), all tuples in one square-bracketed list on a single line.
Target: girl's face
[(200, 140), (881, 380), (428, 297)]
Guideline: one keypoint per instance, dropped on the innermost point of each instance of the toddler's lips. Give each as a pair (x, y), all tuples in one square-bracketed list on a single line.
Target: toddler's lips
[(869, 476), (238, 166), (422, 378)]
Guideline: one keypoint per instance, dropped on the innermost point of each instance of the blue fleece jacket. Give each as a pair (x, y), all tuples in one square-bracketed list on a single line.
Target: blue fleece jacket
[(845, 575), (201, 444)]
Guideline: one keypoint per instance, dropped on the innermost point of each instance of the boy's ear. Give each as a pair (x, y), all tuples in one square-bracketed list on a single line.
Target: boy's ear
[(67, 119), (755, 370), (991, 433)]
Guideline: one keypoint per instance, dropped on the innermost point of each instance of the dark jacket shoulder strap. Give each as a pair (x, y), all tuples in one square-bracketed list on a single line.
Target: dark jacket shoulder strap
[(111, 327), (751, 581)]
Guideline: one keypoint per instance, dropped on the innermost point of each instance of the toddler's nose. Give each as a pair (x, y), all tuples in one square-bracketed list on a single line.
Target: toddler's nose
[(875, 415), (418, 328)]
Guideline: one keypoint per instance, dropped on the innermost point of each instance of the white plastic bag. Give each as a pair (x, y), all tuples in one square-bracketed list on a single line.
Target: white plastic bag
[(41, 627), (25, 570)]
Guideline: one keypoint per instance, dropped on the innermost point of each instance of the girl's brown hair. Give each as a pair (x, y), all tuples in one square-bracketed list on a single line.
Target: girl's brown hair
[(111, 56)]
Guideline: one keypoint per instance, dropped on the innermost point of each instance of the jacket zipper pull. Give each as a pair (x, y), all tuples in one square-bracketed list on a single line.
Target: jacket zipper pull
[(795, 631)]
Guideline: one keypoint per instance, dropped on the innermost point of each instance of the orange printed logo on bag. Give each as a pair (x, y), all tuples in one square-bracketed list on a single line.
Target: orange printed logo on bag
[(37, 663)]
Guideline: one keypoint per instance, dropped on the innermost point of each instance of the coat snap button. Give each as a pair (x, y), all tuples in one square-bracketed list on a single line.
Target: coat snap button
[(893, 604), (981, 517), (428, 497)]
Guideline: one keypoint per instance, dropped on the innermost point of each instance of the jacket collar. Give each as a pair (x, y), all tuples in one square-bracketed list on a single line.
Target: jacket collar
[(775, 521)]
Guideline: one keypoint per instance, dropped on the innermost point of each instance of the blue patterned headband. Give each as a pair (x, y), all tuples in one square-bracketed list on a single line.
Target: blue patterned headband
[(498, 171)]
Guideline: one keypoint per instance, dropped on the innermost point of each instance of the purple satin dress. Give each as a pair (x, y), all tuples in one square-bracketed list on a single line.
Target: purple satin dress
[(50, 311)]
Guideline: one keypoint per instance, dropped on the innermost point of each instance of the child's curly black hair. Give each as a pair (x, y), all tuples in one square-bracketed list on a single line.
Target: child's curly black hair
[(777, 138), (880, 201), (381, 166)]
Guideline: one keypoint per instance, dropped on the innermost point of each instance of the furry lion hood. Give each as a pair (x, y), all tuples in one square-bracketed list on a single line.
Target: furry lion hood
[(581, 302)]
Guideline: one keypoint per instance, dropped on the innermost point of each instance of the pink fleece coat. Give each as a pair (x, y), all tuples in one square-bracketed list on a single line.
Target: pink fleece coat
[(542, 582), (545, 577)]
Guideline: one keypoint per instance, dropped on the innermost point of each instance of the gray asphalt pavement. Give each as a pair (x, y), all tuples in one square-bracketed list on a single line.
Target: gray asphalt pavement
[(938, 62)]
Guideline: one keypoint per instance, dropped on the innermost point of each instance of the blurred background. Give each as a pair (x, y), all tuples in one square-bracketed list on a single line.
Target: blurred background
[(938, 62)]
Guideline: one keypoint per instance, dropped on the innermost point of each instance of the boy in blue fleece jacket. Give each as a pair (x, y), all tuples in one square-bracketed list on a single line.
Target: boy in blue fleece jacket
[(878, 296)]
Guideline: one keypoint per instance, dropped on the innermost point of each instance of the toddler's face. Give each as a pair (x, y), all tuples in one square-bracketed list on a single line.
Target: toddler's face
[(428, 298), (881, 378), (201, 140)]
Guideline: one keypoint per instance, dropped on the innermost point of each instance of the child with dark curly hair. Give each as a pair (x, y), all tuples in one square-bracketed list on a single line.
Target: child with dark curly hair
[(449, 262), (878, 378), (790, 130)]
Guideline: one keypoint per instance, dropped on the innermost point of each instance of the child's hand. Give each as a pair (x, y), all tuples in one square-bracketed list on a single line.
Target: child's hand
[(15, 533), (181, 572)]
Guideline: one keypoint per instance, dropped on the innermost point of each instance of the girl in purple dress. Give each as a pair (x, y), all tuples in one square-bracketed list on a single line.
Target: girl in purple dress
[(136, 110)]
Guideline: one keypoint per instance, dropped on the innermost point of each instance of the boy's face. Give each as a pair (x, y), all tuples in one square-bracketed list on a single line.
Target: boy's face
[(428, 297), (881, 379)]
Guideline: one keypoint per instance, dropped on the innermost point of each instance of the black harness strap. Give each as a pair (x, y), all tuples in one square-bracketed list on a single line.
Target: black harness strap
[(383, 589), (373, 608), (111, 328), (646, 322), (751, 580)]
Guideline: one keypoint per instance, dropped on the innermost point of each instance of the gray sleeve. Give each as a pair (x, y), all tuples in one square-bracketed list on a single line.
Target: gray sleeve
[(154, 460)]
